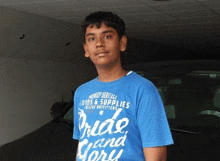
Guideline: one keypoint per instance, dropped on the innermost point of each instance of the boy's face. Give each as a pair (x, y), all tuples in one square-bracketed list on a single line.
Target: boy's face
[(103, 46)]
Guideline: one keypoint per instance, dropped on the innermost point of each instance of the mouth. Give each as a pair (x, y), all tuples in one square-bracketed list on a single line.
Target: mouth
[(101, 53)]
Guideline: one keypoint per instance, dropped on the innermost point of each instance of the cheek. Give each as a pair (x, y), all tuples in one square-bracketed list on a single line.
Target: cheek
[(90, 49), (115, 46)]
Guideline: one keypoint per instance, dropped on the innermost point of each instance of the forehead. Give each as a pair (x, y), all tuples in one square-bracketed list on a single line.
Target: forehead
[(92, 28)]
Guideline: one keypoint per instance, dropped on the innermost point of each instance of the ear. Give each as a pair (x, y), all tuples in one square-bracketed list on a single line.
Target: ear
[(86, 50), (123, 43)]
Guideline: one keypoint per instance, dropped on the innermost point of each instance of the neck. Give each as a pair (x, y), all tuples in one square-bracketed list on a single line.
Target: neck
[(112, 74)]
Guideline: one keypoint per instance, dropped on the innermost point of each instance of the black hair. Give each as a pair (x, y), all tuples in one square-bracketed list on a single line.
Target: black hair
[(110, 20)]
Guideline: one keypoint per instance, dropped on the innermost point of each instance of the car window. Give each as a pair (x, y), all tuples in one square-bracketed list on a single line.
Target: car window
[(69, 115), (191, 100)]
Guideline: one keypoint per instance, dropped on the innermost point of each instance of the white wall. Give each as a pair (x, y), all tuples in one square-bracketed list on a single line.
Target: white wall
[(28, 88), (36, 71)]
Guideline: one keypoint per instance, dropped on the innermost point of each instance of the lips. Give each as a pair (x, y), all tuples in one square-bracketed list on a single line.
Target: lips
[(101, 53)]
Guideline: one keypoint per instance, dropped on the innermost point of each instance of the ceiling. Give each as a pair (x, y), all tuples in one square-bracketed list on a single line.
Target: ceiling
[(188, 24)]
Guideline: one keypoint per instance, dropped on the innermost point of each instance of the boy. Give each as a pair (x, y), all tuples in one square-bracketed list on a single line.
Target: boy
[(118, 116)]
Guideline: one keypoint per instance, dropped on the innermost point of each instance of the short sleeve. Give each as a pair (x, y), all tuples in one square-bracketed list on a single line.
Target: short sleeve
[(76, 118), (151, 118)]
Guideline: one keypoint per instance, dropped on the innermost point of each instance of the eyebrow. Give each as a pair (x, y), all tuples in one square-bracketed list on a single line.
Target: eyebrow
[(104, 32)]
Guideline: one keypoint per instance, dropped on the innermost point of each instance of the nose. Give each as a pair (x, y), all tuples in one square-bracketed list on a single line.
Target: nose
[(99, 42)]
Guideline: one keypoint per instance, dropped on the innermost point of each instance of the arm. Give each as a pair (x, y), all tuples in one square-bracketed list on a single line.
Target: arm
[(76, 154), (153, 126), (155, 154)]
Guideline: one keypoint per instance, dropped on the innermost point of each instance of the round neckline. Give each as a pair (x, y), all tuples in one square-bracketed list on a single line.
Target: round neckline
[(119, 79)]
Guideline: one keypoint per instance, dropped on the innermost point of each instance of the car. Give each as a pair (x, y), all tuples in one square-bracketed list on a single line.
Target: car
[(52, 141), (190, 91)]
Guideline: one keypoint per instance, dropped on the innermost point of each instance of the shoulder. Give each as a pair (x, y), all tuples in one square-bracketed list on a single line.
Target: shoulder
[(85, 86), (140, 81)]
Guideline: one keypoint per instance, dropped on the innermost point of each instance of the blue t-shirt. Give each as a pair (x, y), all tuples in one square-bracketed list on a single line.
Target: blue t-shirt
[(114, 121)]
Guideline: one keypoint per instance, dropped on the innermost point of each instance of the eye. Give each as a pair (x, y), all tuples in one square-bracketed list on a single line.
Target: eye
[(91, 39), (107, 36)]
